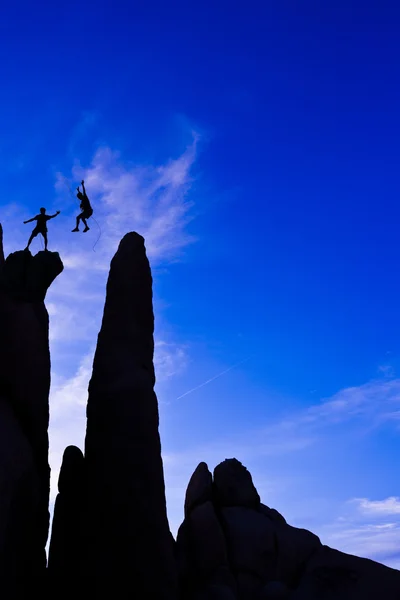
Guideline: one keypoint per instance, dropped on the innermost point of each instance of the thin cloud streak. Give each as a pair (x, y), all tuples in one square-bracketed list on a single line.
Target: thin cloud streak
[(213, 378)]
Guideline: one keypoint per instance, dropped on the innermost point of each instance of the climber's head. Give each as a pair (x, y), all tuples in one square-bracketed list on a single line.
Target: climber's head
[(42, 211), (80, 195)]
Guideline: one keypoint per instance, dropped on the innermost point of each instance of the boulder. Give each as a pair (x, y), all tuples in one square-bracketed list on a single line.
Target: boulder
[(65, 564), (233, 485), (199, 489)]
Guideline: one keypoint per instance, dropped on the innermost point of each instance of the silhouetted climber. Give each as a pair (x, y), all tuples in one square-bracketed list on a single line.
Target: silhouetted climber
[(41, 226), (87, 210)]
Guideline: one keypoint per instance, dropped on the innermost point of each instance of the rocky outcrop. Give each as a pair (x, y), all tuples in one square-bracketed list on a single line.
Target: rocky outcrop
[(110, 534), (232, 546), (27, 278), (66, 552), (24, 417), (127, 547)]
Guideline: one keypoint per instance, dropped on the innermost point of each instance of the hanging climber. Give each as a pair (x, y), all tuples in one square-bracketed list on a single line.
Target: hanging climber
[(41, 226), (87, 210)]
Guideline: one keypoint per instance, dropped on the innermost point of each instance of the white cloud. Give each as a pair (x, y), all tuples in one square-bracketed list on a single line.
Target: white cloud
[(373, 403), (71, 393), (152, 200), (68, 398), (389, 506), (169, 359), (378, 541), (367, 528)]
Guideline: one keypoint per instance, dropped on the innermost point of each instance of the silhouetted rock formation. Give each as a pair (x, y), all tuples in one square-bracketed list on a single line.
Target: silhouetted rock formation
[(67, 535), (110, 535), (1, 247), (24, 418), (128, 545), (232, 546), (26, 277)]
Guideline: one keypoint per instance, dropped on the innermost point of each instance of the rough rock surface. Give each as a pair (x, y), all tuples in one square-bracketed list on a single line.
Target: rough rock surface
[(24, 417)]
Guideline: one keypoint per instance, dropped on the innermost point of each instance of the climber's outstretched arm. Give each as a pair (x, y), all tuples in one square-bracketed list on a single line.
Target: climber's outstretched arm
[(29, 220), (53, 216), (83, 187)]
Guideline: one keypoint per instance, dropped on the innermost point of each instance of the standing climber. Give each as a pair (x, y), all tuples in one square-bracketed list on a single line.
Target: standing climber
[(41, 226), (87, 210)]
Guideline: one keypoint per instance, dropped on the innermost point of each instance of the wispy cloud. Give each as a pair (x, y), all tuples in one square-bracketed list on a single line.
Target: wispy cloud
[(388, 506), (153, 200), (378, 541), (170, 359), (367, 528), (375, 402), (387, 370)]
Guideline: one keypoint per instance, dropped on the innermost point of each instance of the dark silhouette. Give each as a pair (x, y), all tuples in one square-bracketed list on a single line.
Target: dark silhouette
[(1, 246), (86, 207), (41, 226), (110, 535), (24, 417)]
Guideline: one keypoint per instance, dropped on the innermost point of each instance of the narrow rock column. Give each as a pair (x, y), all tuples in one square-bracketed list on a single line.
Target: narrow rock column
[(24, 393), (130, 548)]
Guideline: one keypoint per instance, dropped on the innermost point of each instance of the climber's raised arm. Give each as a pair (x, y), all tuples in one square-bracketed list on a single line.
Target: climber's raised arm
[(83, 187), (53, 216), (30, 220)]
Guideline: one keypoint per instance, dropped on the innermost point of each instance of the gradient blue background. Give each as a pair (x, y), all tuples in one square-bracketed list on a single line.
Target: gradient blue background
[(296, 200)]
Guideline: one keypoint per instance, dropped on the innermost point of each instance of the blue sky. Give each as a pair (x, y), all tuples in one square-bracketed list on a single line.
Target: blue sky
[(256, 149)]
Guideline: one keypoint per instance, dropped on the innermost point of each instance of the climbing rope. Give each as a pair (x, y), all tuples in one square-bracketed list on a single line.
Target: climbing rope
[(73, 197), (99, 236)]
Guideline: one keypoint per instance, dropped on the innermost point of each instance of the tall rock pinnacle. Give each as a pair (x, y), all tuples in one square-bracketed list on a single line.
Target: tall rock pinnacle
[(130, 548)]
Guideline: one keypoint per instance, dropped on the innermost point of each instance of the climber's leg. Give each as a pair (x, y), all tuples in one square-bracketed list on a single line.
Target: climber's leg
[(78, 218), (33, 235)]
